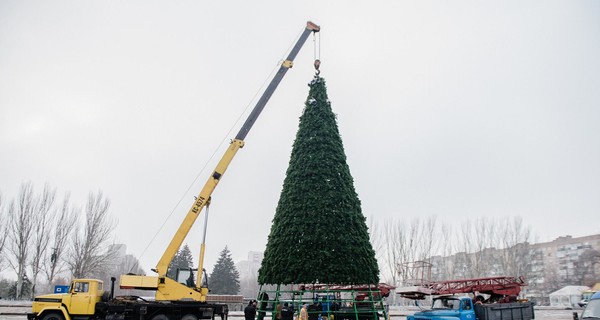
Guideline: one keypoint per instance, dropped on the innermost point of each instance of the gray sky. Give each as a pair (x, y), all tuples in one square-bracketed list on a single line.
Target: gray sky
[(454, 109)]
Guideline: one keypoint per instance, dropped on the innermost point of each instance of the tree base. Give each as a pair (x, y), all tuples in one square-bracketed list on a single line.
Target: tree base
[(323, 302)]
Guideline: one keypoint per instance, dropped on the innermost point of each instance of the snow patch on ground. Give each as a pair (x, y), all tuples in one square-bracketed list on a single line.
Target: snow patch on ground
[(15, 302)]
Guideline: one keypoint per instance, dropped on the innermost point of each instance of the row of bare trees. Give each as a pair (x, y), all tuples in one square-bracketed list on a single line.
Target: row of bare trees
[(42, 238), (478, 248)]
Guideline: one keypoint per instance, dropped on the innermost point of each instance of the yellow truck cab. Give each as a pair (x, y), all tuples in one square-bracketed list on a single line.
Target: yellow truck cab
[(81, 300)]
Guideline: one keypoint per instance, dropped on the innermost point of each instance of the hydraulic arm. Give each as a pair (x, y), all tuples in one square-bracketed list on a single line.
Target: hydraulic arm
[(168, 289)]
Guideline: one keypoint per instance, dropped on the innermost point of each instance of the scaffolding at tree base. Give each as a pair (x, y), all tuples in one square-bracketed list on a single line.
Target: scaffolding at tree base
[(325, 301)]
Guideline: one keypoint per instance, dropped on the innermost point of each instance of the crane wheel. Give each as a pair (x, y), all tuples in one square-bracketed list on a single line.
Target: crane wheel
[(53, 316), (189, 317), (160, 317)]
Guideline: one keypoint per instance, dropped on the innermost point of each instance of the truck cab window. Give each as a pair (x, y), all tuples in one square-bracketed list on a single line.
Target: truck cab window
[(466, 305), (81, 287)]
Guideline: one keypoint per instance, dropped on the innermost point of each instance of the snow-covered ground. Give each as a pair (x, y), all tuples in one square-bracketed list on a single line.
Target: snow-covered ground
[(16, 310)]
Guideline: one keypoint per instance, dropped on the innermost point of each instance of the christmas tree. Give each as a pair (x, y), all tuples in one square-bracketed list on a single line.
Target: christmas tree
[(319, 234)]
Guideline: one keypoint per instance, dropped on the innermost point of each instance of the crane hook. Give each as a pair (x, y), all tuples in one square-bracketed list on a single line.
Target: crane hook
[(317, 65)]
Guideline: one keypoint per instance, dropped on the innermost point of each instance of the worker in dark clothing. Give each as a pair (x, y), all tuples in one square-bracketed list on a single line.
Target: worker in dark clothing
[(263, 297), (287, 313), (250, 310), (313, 311)]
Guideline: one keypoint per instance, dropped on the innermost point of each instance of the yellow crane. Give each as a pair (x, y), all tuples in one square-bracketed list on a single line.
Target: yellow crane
[(166, 288), (87, 298)]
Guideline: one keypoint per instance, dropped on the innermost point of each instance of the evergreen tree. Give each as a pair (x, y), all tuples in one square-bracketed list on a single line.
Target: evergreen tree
[(319, 233), (182, 260), (224, 279)]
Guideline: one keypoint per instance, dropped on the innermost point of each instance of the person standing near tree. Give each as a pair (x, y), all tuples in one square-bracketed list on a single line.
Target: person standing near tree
[(278, 311), (287, 313), (313, 311), (263, 297), (250, 310), (303, 312)]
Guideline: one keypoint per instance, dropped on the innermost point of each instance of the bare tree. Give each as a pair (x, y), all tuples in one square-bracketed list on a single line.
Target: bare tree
[(43, 215), (517, 252), (484, 257), (3, 232), (20, 228), (427, 240), (404, 249), (406, 244), (122, 264), (394, 233), (62, 228), (412, 240), (552, 280), (585, 267), (376, 238), (481, 247), (462, 260), (481, 243), (444, 267), (91, 251)]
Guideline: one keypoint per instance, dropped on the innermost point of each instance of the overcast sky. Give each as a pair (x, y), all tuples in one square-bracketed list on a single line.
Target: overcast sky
[(454, 109)]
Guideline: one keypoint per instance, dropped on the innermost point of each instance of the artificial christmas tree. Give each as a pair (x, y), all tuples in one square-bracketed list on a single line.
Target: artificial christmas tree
[(319, 234)]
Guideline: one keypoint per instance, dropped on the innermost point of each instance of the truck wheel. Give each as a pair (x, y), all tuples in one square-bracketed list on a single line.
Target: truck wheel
[(160, 317), (189, 317), (53, 316)]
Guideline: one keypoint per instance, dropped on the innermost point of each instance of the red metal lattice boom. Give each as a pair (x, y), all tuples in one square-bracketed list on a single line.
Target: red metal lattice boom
[(495, 285), (498, 286)]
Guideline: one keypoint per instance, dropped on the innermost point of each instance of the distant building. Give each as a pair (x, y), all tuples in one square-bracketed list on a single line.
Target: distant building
[(546, 266), (248, 270), (563, 261), (256, 256), (119, 248), (122, 263)]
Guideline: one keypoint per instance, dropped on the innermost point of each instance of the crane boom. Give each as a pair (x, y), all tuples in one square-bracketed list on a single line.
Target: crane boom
[(288, 63), (168, 289)]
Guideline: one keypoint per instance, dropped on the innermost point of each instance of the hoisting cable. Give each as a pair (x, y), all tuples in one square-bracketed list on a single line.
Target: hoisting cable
[(208, 161), (317, 51), (250, 103)]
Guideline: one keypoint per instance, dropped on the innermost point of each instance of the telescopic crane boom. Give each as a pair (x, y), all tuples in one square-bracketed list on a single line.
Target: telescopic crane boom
[(166, 288)]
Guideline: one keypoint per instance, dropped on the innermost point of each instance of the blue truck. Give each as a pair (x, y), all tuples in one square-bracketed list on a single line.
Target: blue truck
[(463, 308)]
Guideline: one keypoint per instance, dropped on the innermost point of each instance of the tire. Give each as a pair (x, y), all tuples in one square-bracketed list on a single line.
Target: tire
[(53, 316), (189, 316), (160, 317)]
